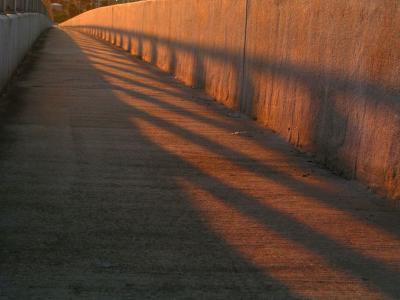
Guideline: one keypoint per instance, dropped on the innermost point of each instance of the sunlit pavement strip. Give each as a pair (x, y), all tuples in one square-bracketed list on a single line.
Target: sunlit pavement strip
[(117, 182)]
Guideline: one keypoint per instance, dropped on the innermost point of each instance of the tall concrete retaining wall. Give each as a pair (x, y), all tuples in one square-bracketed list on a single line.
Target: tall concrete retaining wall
[(17, 34), (322, 74)]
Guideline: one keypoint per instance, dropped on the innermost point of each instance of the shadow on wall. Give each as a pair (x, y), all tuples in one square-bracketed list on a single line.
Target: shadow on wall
[(351, 124), (283, 234)]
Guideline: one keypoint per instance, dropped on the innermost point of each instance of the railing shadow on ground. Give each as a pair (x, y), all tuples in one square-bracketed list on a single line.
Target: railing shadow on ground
[(289, 225), (324, 133), (114, 219), (224, 125)]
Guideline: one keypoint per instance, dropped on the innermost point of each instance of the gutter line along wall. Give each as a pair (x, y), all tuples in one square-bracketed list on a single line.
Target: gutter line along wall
[(322, 74), (18, 32)]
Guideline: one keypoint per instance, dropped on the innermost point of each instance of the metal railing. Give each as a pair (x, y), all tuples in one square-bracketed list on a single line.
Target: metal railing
[(22, 6)]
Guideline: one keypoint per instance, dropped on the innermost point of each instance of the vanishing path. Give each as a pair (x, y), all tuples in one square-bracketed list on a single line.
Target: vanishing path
[(117, 182)]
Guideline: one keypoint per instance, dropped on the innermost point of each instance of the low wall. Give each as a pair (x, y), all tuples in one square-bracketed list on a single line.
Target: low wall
[(17, 34), (322, 74)]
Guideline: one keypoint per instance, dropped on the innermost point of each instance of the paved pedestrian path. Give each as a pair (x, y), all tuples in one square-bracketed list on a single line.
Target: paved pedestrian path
[(118, 182)]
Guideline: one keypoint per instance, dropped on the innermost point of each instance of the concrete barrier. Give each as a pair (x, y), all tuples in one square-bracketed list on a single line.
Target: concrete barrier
[(18, 32), (322, 74)]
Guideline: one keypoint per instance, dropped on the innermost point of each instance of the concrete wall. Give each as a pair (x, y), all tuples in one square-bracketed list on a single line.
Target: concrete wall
[(17, 34), (322, 74)]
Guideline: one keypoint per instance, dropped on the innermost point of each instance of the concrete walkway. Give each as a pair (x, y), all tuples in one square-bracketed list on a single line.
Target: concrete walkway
[(117, 182)]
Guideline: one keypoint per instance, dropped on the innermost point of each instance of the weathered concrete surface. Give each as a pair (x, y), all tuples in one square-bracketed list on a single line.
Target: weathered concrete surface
[(117, 182), (17, 34), (323, 74)]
